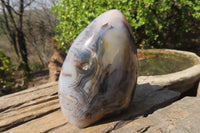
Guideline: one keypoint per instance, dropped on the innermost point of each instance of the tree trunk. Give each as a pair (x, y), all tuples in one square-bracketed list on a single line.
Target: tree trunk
[(23, 50), (21, 38)]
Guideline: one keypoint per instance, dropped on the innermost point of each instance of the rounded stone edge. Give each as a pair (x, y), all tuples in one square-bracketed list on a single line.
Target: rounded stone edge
[(180, 81)]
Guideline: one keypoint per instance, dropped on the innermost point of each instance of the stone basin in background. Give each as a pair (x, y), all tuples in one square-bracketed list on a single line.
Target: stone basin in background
[(180, 81)]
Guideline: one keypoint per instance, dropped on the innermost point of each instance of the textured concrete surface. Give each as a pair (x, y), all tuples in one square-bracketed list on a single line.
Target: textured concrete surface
[(37, 110), (21, 107), (182, 116)]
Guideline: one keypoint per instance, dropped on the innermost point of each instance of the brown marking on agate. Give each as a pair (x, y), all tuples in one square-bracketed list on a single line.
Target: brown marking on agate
[(106, 45), (68, 97), (101, 42), (66, 75), (71, 98), (105, 25), (80, 65)]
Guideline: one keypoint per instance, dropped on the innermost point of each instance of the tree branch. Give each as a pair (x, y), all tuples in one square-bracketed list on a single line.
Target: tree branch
[(7, 6), (29, 3), (5, 16), (13, 10)]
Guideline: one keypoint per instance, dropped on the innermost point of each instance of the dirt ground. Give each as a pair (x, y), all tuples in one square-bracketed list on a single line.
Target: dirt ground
[(40, 77)]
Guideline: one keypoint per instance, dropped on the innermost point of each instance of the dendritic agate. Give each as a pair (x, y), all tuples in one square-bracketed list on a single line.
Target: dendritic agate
[(99, 74)]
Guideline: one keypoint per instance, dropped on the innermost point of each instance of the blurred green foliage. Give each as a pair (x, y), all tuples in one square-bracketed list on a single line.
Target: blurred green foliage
[(155, 24), (7, 69), (37, 67)]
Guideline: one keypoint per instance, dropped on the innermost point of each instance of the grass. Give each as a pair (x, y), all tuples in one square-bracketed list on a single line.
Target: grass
[(37, 67)]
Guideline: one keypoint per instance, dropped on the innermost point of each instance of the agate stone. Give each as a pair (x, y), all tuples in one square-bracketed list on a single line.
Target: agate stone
[(99, 74)]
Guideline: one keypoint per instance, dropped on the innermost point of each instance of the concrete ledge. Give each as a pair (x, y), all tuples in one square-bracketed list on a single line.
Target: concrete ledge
[(182, 116), (37, 110)]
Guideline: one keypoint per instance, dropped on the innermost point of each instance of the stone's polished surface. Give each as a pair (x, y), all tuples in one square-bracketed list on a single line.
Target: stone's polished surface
[(99, 74)]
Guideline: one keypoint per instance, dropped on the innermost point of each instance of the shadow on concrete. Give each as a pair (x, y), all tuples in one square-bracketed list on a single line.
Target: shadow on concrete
[(146, 100)]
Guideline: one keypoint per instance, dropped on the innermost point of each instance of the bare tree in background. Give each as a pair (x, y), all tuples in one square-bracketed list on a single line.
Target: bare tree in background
[(40, 26), (12, 24), (29, 29)]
